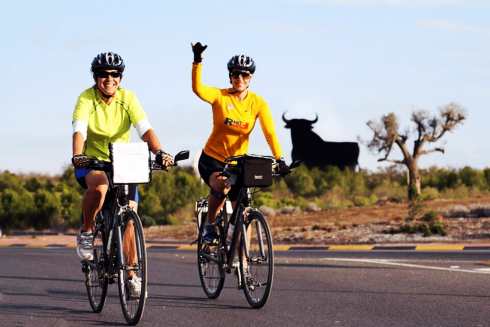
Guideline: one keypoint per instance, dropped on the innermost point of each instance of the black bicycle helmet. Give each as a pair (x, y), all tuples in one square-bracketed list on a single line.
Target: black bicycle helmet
[(241, 61), (107, 60)]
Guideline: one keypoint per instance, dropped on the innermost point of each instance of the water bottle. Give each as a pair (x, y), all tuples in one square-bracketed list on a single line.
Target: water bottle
[(229, 235)]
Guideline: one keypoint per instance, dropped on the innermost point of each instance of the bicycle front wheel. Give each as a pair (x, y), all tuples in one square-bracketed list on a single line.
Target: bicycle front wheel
[(210, 266), (132, 274), (257, 266), (95, 278)]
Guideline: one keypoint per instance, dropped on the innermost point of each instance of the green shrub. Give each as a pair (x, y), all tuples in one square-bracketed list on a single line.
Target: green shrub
[(266, 199), (296, 202), (391, 191), (425, 230), (320, 180), (486, 174), (373, 199), (430, 216), (430, 193), (409, 228), (357, 185), (333, 203), (147, 221), (429, 177), (48, 210), (38, 201), (301, 182), (347, 204), (438, 228), (360, 201), (472, 178), (460, 192), (447, 179), (320, 203)]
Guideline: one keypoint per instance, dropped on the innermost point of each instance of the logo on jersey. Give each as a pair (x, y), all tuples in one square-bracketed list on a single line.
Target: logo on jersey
[(235, 123), (230, 106)]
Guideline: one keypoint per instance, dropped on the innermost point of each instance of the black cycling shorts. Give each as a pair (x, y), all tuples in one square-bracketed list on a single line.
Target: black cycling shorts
[(207, 166)]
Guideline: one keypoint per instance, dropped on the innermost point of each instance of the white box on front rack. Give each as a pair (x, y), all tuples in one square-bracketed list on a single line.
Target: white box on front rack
[(130, 163)]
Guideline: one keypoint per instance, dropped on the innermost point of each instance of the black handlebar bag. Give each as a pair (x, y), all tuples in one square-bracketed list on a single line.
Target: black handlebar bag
[(256, 172)]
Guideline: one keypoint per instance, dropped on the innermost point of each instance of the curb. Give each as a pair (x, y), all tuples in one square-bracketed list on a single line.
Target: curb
[(424, 247)]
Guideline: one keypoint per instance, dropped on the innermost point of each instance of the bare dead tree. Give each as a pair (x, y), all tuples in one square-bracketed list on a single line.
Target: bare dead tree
[(428, 129)]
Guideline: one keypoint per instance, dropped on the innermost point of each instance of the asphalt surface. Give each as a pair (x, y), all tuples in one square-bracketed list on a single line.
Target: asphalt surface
[(44, 287)]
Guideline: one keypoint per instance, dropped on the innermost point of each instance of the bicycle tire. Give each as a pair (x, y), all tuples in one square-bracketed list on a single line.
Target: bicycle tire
[(260, 261), (97, 285), (210, 263), (133, 305)]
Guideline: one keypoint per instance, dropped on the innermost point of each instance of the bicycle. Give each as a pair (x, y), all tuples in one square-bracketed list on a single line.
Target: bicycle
[(113, 223), (247, 227)]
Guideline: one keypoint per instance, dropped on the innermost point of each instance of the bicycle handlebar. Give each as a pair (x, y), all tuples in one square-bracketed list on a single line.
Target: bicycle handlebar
[(228, 171), (106, 166)]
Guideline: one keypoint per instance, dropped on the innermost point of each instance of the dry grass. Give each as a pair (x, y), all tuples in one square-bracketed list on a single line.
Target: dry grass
[(342, 226)]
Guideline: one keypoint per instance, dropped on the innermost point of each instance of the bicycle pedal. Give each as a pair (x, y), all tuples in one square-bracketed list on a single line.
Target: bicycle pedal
[(84, 266)]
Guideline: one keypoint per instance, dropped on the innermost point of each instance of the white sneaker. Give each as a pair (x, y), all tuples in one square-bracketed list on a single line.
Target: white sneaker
[(134, 286), (85, 245)]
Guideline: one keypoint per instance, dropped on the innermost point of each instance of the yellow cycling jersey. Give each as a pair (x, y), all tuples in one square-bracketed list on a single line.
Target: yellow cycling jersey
[(234, 120), (107, 123)]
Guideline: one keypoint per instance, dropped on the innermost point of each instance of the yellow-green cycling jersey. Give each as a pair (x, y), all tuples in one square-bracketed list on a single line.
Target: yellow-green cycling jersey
[(234, 120), (102, 123)]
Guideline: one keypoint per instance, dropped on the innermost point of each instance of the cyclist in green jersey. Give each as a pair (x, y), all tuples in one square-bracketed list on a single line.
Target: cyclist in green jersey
[(104, 114)]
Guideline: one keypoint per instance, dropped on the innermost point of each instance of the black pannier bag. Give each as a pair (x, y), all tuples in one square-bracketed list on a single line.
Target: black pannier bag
[(257, 172)]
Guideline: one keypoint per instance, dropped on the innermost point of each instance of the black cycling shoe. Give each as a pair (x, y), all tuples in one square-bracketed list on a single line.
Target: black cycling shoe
[(210, 236)]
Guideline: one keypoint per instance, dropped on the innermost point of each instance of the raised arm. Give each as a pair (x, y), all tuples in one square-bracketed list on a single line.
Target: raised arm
[(206, 93), (267, 124)]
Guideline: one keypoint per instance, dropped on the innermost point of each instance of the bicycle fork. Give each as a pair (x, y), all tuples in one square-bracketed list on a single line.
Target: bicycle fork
[(122, 224)]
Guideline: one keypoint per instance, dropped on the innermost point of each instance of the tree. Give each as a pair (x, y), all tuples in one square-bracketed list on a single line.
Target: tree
[(428, 129)]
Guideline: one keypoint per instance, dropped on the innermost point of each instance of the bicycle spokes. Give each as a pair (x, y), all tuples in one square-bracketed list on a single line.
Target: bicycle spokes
[(211, 272), (257, 260), (132, 273), (95, 278)]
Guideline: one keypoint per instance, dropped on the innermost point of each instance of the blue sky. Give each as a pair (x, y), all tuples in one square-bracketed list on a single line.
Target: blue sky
[(348, 61)]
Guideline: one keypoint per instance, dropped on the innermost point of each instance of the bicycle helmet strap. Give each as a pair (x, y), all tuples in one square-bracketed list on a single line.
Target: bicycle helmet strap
[(106, 96)]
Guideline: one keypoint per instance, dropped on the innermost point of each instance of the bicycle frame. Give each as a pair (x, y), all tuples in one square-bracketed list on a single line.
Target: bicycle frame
[(242, 206), (116, 204)]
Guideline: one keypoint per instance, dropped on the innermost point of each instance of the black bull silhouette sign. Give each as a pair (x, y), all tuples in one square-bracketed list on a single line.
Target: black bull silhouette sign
[(315, 152)]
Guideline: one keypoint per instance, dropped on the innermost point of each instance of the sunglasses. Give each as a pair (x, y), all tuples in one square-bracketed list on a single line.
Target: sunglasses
[(237, 74), (106, 74)]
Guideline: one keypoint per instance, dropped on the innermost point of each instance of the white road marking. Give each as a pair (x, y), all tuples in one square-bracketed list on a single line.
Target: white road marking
[(389, 262)]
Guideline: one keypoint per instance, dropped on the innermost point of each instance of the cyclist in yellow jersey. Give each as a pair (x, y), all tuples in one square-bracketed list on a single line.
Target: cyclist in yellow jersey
[(104, 114), (235, 111)]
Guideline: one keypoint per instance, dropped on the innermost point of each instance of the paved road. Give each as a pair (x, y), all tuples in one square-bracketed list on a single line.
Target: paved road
[(44, 287)]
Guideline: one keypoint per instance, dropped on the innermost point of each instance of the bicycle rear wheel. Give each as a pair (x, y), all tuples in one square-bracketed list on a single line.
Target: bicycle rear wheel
[(95, 279), (133, 298), (209, 263), (259, 275)]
